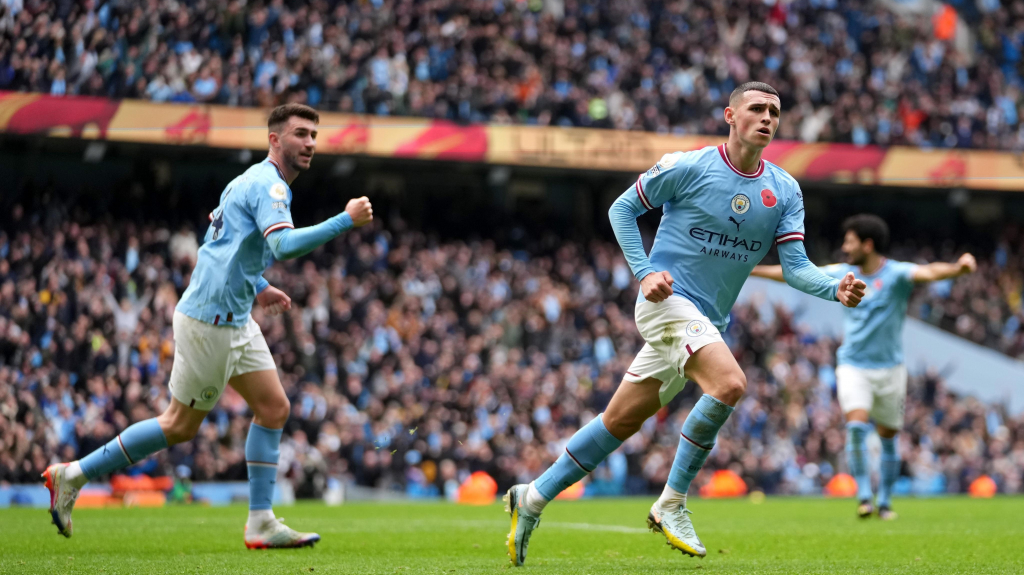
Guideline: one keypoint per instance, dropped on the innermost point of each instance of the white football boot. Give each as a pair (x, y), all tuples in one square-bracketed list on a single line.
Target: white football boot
[(677, 529), (62, 497), (274, 534)]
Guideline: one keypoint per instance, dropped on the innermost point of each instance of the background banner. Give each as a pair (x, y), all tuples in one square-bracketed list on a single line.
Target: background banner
[(564, 148)]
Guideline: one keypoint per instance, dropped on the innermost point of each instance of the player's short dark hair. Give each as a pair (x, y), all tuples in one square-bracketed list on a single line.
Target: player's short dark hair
[(752, 87), (280, 115), (869, 227)]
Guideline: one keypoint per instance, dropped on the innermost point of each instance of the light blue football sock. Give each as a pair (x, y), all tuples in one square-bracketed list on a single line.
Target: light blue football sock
[(132, 446), (262, 450), (697, 440), (586, 449), (857, 457), (890, 471)]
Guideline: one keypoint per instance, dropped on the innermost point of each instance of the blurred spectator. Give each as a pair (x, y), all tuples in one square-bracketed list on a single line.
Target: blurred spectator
[(851, 71), (412, 362)]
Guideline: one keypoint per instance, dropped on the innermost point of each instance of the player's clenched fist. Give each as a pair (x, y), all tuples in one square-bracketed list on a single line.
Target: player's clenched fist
[(851, 290), (656, 286), (274, 301), (360, 210), (967, 264)]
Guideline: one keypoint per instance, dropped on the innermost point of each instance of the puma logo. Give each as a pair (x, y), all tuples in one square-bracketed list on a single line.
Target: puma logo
[(733, 220)]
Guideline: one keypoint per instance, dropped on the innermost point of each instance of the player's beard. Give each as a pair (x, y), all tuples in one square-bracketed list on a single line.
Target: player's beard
[(294, 160)]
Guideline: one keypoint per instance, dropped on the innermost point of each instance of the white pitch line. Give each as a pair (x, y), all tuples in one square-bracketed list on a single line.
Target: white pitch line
[(557, 525), (593, 527)]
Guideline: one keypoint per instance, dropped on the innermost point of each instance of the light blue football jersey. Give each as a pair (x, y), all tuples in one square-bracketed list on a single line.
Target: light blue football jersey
[(717, 223), (234, 255), (873, 331)]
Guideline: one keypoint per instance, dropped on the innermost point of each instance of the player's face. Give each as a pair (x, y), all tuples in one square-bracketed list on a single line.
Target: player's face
[(298, 141), (853, 247), (755, 117)]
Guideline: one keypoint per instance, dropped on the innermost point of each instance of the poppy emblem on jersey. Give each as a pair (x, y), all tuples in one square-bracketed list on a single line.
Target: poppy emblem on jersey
[(740, 204), (878, 284), (696, 328), (208, 393), (278, 191), (768, 198)]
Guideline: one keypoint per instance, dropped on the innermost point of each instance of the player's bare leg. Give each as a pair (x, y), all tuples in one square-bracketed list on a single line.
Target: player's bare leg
[(632, 405), (857, 429), (180, 423), (263, 392), (715, 370)]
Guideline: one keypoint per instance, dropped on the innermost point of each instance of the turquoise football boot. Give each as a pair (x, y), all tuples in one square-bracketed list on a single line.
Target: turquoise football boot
[(523, 523)]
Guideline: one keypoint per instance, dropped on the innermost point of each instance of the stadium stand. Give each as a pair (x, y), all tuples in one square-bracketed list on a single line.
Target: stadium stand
[(852, 71), (412, 361)]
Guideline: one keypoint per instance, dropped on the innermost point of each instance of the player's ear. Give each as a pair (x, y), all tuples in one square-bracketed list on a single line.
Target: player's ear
[(729, 115)]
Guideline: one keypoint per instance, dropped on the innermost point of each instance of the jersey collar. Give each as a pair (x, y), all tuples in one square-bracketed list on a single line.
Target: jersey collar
[(885, 262), (277, 167), (725, 157)]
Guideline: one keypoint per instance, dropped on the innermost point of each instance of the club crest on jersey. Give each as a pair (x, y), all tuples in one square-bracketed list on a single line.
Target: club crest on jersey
[(768, 198), (278, 191), (740, 204), (695, 328)]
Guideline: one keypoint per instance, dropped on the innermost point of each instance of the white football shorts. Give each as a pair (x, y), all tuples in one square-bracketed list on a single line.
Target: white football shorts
[(207, 356), (674, 330), (881, 392)]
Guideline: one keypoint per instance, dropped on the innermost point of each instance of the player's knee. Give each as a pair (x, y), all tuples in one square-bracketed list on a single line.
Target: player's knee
[(177, 431), (274, 414), (622, 425), (733, 387)]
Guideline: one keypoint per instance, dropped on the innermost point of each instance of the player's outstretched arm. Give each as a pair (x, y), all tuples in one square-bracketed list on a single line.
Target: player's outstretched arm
[(288, 244), (942, 270), (801, 274), (768, 273)]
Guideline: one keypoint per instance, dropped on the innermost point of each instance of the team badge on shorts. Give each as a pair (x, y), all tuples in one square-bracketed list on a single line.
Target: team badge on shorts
[(209, 393), (696, 328), (740, 204)]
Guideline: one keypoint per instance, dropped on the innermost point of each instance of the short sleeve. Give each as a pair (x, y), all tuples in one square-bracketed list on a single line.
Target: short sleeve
[(271, 202), (791, 226), (661, 183), (837, 271), (905, 273)]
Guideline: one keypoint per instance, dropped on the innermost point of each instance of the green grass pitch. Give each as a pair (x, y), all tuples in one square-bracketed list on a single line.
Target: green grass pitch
[(781, 535)]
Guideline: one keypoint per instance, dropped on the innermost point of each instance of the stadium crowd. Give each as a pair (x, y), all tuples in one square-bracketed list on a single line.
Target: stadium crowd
[(985, 307), (850, 71), (411, 362)]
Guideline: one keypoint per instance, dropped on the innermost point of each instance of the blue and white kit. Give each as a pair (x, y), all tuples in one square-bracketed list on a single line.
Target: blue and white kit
[(717, 224), (215, 336), (871, 374)]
